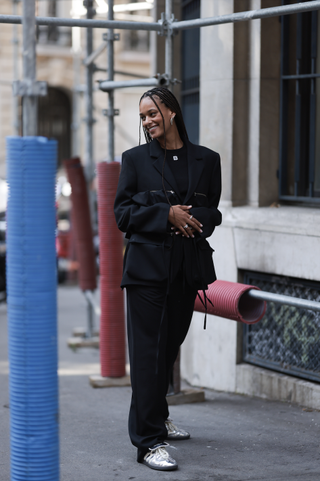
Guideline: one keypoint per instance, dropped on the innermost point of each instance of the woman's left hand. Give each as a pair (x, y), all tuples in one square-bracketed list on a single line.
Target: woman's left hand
[(184, 222)]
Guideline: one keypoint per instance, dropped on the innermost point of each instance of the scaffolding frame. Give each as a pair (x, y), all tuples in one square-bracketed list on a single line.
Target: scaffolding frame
[(168, 22), (167, 26)]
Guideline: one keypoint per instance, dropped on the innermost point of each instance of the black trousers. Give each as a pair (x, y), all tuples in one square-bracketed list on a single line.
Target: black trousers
[(157, 326)]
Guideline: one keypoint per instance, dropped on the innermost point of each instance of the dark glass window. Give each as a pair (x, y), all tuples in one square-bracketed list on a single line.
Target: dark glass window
[(54, 120), (191, 70), (300, 107), (137, 40)]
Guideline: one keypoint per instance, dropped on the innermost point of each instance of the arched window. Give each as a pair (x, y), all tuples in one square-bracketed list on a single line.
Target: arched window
[(54, 120)]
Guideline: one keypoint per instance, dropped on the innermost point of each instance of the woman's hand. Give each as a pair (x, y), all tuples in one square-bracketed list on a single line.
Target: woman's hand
[(181, 218)]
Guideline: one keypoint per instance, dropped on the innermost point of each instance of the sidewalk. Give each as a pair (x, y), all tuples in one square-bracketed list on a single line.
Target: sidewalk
[(234, 438)]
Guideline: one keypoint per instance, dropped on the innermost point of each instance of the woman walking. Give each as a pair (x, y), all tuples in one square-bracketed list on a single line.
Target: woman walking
[(166, 202)]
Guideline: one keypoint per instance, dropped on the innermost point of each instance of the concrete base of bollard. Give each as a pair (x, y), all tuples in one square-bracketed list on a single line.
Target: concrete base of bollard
[(186, 396), (99, 381), (76, 342)]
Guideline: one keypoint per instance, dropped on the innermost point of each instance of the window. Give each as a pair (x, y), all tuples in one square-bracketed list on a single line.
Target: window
[(54, 120), (191, 70), (287, 339), (136, 40), (299, 174), (53, 34)]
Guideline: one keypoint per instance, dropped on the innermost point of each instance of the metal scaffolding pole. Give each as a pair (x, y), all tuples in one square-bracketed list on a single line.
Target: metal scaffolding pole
[(15, 41), (108, 85), (89, 163), (248, 15), (287, 300), (183, 25), (89, 167), (86, 23), (168, 46), (30, 113), (75, 126), (110, 66), (95, 54)]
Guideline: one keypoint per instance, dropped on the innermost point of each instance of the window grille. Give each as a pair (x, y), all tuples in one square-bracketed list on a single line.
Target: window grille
[(287, 339), (299, 174), (191, 70)]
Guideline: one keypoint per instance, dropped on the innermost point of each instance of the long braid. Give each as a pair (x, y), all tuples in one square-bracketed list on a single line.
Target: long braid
[(169, 100)]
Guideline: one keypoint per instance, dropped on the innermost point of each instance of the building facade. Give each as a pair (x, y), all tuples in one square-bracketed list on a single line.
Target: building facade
[(259, 109)]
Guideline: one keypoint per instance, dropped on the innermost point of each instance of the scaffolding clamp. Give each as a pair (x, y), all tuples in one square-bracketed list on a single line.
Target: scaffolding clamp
[(110, 36), (29, 88), (166, 25), (89, 121), (110, 112), (88, 4)]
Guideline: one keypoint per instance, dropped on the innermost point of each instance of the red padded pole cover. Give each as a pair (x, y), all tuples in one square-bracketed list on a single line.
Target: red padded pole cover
[(230, 300), (112, 326), (82, 224)]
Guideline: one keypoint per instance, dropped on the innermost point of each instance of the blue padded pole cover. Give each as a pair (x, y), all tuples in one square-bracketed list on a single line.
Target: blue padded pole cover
[(32, 308)]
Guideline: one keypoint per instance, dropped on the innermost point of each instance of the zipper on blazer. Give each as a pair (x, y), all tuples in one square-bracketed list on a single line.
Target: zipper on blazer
[(170, 191)]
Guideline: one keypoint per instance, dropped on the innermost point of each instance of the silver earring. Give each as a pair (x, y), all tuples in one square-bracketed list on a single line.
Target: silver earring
[(171, 120)]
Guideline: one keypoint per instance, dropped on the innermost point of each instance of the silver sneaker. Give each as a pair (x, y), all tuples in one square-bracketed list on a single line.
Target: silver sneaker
[(159, 458), (174, 432)]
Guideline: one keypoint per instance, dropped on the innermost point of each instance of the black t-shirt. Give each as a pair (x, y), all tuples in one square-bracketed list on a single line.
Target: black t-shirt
[(178, 163)]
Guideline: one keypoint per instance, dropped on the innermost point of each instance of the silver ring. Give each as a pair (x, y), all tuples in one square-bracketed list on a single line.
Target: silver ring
[(185, 226), (190, 217)]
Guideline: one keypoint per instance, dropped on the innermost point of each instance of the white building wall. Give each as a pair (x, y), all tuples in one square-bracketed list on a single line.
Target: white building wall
[(216, 88), (208, 356), (281, 240)]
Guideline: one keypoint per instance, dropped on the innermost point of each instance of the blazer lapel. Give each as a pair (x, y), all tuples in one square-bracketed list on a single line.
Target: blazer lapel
[(195, 168), (157, 153)]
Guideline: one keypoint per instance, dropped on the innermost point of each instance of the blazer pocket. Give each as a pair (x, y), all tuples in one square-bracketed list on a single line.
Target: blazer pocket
[(146, 261), (206, 262), (199, 200)]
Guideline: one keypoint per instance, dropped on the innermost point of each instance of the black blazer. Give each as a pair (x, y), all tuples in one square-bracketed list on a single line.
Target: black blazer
[(141, 210)]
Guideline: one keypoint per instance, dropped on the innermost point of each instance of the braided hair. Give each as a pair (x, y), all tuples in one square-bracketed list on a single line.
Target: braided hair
[(169, 100)]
